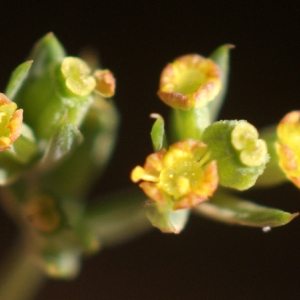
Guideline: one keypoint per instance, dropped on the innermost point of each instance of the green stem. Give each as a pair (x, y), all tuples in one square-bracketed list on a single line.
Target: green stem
[(21, 276), (189, 124), (118, 217)]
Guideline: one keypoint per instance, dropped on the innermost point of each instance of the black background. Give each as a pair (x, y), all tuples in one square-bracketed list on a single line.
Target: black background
[(136, 39)]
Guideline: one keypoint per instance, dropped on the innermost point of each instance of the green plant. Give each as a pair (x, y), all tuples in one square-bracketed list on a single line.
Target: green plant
[(63, 135)]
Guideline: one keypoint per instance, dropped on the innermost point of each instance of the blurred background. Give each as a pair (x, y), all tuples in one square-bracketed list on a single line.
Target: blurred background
[(135, 40)]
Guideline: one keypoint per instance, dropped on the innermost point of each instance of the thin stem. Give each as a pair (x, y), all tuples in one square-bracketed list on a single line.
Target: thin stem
[(21, 276), (118, 217)]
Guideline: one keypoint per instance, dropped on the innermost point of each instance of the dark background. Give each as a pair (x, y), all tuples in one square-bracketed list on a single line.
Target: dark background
[(136, 39)]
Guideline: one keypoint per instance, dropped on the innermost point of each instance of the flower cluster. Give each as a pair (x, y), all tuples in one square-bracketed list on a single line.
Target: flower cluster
[(202, 155)]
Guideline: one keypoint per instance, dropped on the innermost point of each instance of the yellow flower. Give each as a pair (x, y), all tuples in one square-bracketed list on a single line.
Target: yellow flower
[(10, 122), (253, 151), (288, 146), (77, 76), (181, 176), (191, 81)]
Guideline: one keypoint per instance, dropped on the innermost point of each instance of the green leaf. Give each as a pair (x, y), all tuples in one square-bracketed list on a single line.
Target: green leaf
[(221, 57), (233, 210), (99, 130), (166, 219), (158, 135), (46, 52), (17, 79), (65, 139)]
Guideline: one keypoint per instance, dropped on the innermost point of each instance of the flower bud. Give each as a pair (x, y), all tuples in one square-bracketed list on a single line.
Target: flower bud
[(241, 156)]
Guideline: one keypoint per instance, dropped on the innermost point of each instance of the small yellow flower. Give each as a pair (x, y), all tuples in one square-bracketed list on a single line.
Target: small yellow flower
[(181, 176), (253, 151), (288, 146), (191, 81), (77, 75), (105, 83), (10, 122)]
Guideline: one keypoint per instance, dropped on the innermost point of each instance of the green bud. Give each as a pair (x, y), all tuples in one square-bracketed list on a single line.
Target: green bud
[(240, 155)]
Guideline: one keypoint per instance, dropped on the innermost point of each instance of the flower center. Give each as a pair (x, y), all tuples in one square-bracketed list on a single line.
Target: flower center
[(189, 81), (77, 74), (179, 179)]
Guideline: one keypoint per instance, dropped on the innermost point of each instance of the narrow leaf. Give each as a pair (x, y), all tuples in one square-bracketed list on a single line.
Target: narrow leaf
[(17, 78), (46, 51), (221, 57), (233, 210), (158, 135), (65, 139)]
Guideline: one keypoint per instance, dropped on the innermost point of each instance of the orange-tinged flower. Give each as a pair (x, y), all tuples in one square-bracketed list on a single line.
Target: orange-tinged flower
[(105, 83), (191, 81), (182, 176), (10, 122), (288, 146)]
